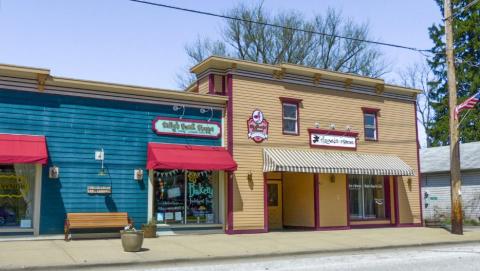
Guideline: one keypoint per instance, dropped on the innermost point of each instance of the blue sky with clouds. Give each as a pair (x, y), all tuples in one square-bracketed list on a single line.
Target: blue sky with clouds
[(125, 42)]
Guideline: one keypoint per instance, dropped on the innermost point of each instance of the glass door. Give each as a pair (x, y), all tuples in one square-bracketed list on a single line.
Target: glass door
[(367, 197)]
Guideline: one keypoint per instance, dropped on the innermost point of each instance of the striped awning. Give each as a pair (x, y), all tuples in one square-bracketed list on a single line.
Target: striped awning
[(314, 161)]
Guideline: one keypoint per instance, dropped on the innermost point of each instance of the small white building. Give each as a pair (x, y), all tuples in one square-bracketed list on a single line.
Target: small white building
[(435, 170)]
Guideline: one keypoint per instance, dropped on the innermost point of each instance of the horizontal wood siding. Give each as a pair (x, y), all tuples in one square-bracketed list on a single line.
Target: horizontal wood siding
[(203, 85), (437, 186), (76, 127), (396, 127)]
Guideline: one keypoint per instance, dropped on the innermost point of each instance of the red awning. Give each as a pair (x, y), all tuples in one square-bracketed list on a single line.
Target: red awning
[(169, 156), (23, 149)]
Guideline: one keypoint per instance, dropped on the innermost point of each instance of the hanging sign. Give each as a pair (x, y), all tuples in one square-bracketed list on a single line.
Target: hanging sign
[(12, 186), (333, 139), (186, 127), (257, 127)]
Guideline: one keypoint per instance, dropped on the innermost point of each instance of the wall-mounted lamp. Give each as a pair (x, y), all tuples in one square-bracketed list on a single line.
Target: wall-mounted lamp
[(138, 174), (54, 172), (250, 180), (332, 126), (100, 156), (317, 125), (332, 178), (348, 128)]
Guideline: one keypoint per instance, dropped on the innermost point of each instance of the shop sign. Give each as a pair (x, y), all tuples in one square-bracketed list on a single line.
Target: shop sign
[(12, 186), (99, 190), (257, 127), (333, 139), (186, 127)]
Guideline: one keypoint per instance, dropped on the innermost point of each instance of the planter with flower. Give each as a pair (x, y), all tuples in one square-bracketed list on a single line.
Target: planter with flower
[(132, 239)]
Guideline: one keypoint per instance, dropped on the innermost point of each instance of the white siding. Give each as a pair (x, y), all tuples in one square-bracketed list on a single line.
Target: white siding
[(437, 186)]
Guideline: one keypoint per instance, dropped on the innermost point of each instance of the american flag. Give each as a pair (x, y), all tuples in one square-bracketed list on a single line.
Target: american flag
[(467, 104)]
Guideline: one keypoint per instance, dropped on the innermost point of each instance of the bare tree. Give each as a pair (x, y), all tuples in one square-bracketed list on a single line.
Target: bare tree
[(261, 43), (419, 75)]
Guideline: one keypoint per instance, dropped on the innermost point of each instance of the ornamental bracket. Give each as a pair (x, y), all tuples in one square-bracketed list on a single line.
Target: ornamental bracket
[(41, 79), (316, 78), (379, 89), (348, 84)]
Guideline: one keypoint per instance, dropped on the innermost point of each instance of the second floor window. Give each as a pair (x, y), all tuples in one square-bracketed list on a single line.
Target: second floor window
[(370, 126), (290, 118)]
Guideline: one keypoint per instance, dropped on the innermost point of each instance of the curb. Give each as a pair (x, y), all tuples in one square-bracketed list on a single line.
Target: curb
[(226, 258)]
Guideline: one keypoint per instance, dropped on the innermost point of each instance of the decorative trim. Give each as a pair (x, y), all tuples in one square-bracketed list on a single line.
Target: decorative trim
[(253, 231), (154, 128), (41, 79), (307, 81), (295, 102), (333, 132), (223, 84), (230, 150), (374, 111), (265, 203), (316, 200), (395, 195), (370, 110), (406, 225), (418, 165), (211, 84), (387, 198), (37, 199), (348, 199), (290, 100), (333, 228), (369, 226)]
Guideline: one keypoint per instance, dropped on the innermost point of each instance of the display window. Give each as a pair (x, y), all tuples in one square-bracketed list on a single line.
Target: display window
[(16, 195), (367, 197), (186, 197)]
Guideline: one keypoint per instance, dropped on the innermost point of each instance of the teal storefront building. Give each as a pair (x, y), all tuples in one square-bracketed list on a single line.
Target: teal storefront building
[(77, 122)]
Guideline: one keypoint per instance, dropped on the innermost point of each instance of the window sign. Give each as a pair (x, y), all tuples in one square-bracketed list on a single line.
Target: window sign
[(186, 127), (257, 127), (332, 138)]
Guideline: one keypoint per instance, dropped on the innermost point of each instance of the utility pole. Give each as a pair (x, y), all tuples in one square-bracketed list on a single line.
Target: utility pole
[(455, 178)]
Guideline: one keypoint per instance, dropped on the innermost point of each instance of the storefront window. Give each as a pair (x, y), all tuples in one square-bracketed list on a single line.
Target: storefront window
[(186, 197), (367, 200), (16, 195)]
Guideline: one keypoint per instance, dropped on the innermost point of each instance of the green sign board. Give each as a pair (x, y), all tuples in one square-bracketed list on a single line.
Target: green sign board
[(186, 127)]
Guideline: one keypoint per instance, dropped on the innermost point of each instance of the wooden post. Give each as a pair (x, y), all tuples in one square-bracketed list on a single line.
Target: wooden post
[(455, 177)]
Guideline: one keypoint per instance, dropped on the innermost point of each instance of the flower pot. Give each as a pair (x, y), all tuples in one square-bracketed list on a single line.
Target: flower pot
[(132, 240), (150, 231)]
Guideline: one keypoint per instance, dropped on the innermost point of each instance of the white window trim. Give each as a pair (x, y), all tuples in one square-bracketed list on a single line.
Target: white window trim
[(374, 126), (290, 118)]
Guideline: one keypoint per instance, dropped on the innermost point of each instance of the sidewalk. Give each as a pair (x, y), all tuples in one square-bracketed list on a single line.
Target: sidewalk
[(58, 254)]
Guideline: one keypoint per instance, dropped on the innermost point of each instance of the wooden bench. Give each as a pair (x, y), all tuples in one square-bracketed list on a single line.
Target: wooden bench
[(83, 221)]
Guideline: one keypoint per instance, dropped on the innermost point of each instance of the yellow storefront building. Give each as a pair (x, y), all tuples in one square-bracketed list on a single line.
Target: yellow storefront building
[(315, 149)]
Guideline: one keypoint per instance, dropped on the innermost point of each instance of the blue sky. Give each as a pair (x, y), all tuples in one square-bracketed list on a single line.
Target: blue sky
[(124, 42)]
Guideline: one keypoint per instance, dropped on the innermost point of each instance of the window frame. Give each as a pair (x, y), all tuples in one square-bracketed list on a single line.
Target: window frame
[(373, 112), (291, 102)]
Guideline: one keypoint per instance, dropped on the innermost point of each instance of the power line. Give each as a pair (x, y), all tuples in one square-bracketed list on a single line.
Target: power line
[(283, 27)]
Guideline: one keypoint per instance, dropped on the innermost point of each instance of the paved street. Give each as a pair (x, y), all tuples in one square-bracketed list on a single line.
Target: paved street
[(457, 257)]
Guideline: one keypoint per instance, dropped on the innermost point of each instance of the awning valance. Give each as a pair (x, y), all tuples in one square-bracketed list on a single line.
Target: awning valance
[(187, 157), (18, 149), (313, 161)]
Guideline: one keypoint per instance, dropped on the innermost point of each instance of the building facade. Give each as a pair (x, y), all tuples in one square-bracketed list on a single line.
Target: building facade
[(435, 168), (69, 145), (315, 149)]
